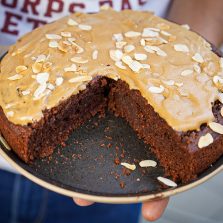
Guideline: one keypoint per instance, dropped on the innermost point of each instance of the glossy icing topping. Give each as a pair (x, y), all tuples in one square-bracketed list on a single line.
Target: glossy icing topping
[(174, 68)]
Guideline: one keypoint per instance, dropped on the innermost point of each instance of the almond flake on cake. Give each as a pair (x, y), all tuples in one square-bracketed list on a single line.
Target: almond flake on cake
[(168, 82), (15, 77), (42, 78), (79, 60), (198, 58), (120, 65), (132, 34), (95, 55), (26, 92), (129, 48), (53, 44), (205, 140), (118, 37), (186, 72), (148, 32), (65, 34), (120, 44), (53, 37), (140, 56), (181, 48), (216, 127), (72, 22), (156, 90), (72, 68), (20, 68), (59, 81), (84, 27), (10, 113), (80, 79)]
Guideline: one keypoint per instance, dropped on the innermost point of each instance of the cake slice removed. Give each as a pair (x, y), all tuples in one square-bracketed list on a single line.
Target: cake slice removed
[(164, 79)]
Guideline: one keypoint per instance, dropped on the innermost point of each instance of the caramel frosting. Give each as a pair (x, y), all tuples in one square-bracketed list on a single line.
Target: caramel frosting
[(174, 68)]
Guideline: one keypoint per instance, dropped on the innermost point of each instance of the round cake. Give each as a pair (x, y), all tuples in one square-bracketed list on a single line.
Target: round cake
[(164, 79)]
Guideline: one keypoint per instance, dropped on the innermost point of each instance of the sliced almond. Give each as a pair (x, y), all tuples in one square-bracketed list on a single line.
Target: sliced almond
[(66, 42), (181, 48), (205, 140), (198, 58), (186, 72), (169, 82), (15, 77), (63, 47), (37, 67), (53, 44), (221, 62), (148, 32), (186, 26), (120, 44), (79, 60), (95, 55), (53, 36), (140, 56), (26, 92), (129, 48), (71, 22), (179, 84), (59, 81), (129, 166), (132, 34), (10, 113), (167, 182), (142, 42), (84, 27), (165, 33), (127, 59), (118, 37), (72, 68), (155, 41), (65, 34), (220, 97), (50, 86), (41, 58), (156, 90), (78, 49), (217, 80), (135, 66), (116, 55), (216, 127), (146, 66), (120, 65), (39, 91), (47, 66), (149, 49), (197, 68), (20, 68), (221, 111), (148, 163), (157, 50), (42, 78), (80, 79)]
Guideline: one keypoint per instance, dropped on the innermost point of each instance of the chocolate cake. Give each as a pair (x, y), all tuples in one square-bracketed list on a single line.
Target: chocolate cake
[(164, 79)]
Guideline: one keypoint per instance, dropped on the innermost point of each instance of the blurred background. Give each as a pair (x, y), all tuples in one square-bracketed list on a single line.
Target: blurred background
[(203, 204)]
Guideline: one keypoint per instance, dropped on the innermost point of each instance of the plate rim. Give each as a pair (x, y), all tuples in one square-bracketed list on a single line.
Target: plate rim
[(97, 198)]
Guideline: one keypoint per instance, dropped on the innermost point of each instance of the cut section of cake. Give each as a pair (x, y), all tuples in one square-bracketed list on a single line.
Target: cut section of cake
[(164, 79)]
